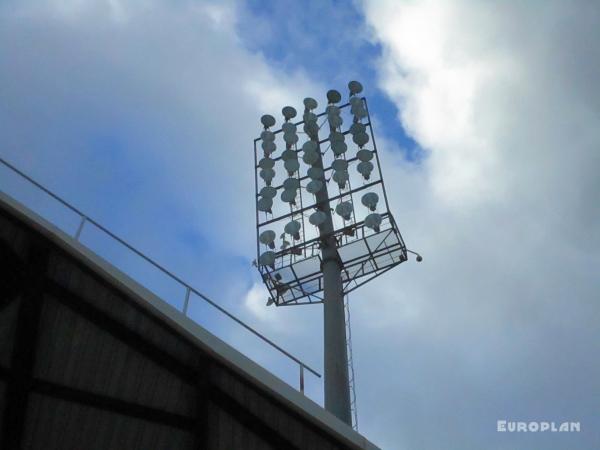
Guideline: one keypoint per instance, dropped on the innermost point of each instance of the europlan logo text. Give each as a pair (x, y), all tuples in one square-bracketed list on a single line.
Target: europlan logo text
[(507, 426)]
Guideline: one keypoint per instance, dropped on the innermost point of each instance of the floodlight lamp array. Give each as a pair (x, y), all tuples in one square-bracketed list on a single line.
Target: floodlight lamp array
[(296, 171)]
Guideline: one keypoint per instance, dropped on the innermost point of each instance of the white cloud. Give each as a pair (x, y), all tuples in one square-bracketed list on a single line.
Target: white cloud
[(256, 299), (173, 80), (504, 209), (143, 115)]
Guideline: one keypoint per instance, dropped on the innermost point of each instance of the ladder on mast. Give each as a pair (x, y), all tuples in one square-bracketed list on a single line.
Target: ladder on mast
[(351, 378)]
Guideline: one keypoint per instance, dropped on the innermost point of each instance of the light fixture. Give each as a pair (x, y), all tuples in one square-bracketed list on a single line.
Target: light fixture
[(290, 138), (310, 103), (333, 116), (355, 102), (370, 200), (357, 108), (365, 168), (360, 113), (335, 121), (310, 157), (268, 147), (267, 120), (355, 87), (360, 139), (311, 127), (309, 146), (364, 155), (315, 173), (310, 117), (291, 184), (288, 112), (268, 192), (266, 163), (336, 136), (267, 259), (333, 96), (339, 164), (292, 166), (267, 175), (314, 186), (317, 218), (289, 154), (338, 148), (341, 178), (267, 237), (419, 258), (267, 136), (357, 127), (344, 210), (289, 127), (373, 221), (265, 204), (289, 196), (293, 229), (332, 110)]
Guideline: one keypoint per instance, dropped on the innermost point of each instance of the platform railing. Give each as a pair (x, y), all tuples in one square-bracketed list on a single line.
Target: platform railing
[(189, 289)]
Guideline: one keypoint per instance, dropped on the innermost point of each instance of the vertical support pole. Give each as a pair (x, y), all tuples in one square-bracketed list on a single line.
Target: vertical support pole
[(186, 302), (301, 378), (337, 383)]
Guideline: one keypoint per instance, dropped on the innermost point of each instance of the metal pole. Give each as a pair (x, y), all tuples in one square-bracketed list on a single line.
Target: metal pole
[(80, 228), (186, 302), (337, 383)]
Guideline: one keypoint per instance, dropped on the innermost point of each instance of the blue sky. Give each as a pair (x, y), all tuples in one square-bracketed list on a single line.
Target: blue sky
[(329, 40), (142, 114)]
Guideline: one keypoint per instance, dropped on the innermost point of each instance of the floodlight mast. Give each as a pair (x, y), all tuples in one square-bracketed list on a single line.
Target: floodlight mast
[(337, 383), (331, 260)]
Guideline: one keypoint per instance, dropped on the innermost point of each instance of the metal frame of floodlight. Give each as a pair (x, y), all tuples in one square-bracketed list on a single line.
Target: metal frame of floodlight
[(353, 268), (305, 288)]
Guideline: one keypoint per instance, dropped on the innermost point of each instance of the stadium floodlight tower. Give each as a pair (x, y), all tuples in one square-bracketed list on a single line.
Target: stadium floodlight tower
[(339, 247)]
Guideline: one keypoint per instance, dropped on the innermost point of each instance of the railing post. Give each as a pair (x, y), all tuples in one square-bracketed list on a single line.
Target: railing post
[(301, 378), (186, 301), (80, 228)]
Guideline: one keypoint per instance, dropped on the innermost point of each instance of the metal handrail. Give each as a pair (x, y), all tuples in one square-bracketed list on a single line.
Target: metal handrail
[(188, 288)]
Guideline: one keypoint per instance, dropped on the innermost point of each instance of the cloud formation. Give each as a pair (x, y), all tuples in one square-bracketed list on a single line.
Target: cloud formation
[(496, 322), (142, 114)]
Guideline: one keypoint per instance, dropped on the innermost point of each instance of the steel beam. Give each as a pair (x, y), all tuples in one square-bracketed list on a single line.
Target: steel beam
[(103, 402), (112, 404), (24, 349)]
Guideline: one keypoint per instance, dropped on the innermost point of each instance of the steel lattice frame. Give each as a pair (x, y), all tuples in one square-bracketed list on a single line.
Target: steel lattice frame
[(364, 254)]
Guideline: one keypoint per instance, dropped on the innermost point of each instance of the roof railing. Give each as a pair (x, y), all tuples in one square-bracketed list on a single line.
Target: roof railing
[(189, 289)]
